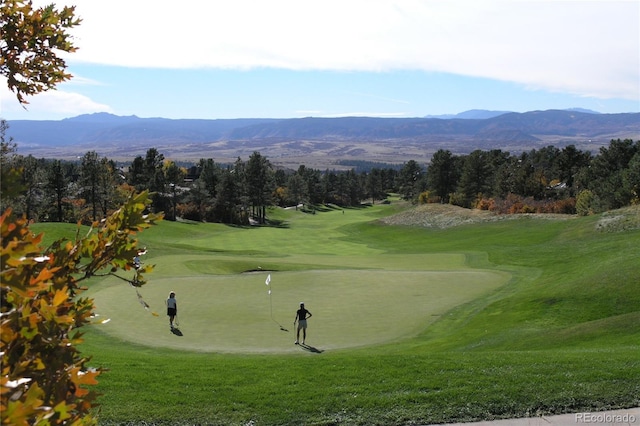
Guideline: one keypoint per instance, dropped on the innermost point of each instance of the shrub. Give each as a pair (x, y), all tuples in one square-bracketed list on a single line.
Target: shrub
[(485, 204), (423, 197), (585, 203), (565, 206), (457, 199), (190, 211)]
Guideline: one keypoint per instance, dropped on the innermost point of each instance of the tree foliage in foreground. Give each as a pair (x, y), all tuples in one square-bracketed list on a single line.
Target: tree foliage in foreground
[(30, 42), (44, 377)]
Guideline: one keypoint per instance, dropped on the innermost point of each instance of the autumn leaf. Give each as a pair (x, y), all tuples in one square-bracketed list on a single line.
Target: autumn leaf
[(60, 296)]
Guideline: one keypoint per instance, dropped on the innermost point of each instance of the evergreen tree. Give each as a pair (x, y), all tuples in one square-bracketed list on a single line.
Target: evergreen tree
[(259, 185), (373, 182), (89, 176), (228, 203), (475, 179), (58, 187), (605, 174), (137, 176), (209, 176), (570, 162), (409, 180), (442, 175), (297, 190)]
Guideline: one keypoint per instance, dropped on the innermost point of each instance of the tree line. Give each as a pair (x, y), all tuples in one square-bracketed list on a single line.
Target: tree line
[(546, 180)]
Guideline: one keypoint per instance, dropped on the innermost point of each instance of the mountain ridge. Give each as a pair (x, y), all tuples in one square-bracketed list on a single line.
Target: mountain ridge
[(342, 137)]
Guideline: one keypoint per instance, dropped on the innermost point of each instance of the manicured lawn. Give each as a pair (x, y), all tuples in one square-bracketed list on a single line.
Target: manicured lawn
[(235, 313), (513, 318)]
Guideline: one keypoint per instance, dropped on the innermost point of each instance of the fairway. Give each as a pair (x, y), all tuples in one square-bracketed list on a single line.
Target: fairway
[(410, 325), (235, 313)]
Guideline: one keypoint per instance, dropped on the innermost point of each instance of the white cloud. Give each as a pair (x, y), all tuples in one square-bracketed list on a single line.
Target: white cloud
[(588, 48), (51, 104)]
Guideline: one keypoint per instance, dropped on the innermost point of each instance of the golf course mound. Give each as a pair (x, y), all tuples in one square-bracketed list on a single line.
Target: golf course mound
[(443, 216), (239, 313), (620, 220)]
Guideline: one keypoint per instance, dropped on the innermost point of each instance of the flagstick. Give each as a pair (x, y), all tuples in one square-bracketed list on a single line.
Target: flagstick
[(271, 305), (268, 282)]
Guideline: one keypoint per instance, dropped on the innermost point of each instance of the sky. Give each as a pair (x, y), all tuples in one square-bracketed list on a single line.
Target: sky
[(216, 59)]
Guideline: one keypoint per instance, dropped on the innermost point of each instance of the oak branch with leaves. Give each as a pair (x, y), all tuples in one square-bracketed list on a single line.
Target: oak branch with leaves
[(44, 378), (30, 42)]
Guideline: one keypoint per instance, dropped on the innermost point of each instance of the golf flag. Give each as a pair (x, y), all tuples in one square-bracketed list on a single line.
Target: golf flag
[(268, 279)]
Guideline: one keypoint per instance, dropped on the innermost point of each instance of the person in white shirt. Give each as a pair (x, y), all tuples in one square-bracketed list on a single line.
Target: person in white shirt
[(172, 308)]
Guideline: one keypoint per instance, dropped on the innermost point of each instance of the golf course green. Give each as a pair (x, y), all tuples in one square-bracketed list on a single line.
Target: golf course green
[(236, 313), (411, 325)]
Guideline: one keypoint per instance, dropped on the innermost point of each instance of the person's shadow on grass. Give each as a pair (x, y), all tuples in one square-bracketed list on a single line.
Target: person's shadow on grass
[(310, 349), (176, 331)]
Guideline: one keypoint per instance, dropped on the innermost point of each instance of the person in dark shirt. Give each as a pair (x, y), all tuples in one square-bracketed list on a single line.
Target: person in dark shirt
[(301, 318)]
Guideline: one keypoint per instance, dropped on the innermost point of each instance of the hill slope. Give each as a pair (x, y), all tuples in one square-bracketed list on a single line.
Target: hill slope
[(325, 139), (580, 289)]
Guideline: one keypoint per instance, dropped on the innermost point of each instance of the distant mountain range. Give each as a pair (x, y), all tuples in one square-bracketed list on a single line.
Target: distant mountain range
[(481, 114), (337, 137), (472, 114)]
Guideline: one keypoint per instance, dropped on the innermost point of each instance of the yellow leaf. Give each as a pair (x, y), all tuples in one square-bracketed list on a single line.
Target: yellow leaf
[(61, 296), (63, 410)]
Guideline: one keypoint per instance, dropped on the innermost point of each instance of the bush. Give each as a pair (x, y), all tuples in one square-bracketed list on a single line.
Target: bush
[(586, 202), (514, 204), (189, 211), (486, 204), (565, 206), (457, 199), (423, 197)]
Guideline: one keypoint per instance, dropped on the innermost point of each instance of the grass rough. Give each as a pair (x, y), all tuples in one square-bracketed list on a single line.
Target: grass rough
[(561, 335)]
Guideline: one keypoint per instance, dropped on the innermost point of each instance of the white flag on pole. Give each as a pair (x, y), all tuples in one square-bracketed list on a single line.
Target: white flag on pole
[(268, 279)]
